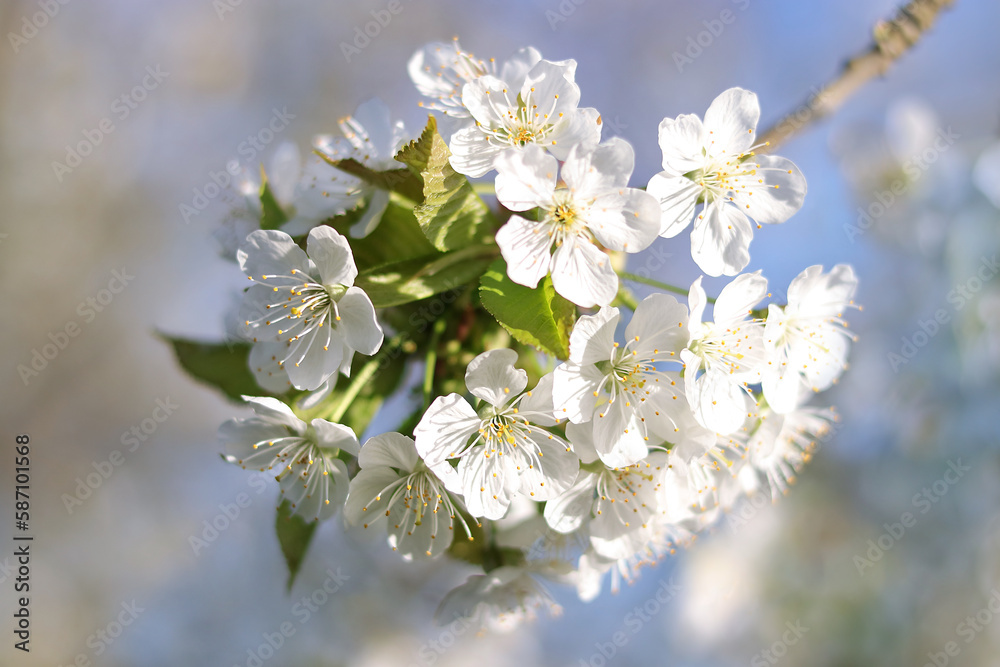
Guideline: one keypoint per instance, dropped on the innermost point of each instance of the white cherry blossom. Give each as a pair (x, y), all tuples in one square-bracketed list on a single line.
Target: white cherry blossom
[(501, 450), (370, 137), (539, 108), (591, 205), (619, 505), (395, 486), (712, 177), (807, 340), (498, 601), (303, 312), (312, 479), (440, 72), (783, 443), (724, 356), (623, 390)]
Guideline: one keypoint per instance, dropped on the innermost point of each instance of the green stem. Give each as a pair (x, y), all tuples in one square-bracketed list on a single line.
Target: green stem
[(656, 283), (430, 361), (365, 375), (484, 187), (626, 298), (357, 384)]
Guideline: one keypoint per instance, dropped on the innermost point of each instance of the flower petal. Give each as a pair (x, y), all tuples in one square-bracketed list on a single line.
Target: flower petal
[(492, 377), (445, 429), (781, 194), (606, 168), (270, 252), (526, 178), (358, 322), (332, 255), (658, 326), (738, 298), (568, 511), (719, 403), (720, 240), (627, 219), (393, 450), (619, 436), (575, 391), (472, 154), (525, 246), (331, 435), (681, 141), (678, 197), (731, 121), (583, 274)]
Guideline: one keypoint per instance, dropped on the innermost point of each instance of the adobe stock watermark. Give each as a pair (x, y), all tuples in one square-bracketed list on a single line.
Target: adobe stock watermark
[(968, 629), (773, 654), (923, 501), (370, 30), (131, 440), (432, 649), (121, 108), (714, 28), (562, 12), (913, 170), (632, 623), (223, 7), (248, 150), (32, 24), (212, 528), (101, 639), (302, 611), (88, 309), (958, 297)]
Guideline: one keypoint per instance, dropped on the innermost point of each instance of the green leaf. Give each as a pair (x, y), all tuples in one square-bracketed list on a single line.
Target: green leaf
[(220, 365), (452, 215), (294, 536), (538, 317), (415, 279), (398, 237), (416, 154), (272, 215), (402, 181)]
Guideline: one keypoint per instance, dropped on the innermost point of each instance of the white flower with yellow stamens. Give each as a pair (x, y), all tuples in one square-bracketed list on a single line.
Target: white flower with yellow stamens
[(724, 356), (623, 390), (303, 311), (440, 71), (395, 486), (373, 139), (618, 505), (713, 164), (807, 340), (506, 116), (594, 204), (783, 443), (501, 450), (312, 479)]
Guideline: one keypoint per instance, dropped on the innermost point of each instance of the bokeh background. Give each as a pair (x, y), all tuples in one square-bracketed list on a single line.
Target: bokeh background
[(232, 62)]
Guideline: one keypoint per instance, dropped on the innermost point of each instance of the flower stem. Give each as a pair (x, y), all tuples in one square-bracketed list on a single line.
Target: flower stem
[(892, 39), (656, 283), (357, 384), (363, 377), (484, 187), (430, 360), (626, 298)]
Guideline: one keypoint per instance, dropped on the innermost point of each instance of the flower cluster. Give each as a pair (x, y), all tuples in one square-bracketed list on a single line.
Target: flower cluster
[(641, 421)]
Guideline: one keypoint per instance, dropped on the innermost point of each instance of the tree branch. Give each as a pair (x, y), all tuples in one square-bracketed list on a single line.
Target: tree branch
[(892, 39)]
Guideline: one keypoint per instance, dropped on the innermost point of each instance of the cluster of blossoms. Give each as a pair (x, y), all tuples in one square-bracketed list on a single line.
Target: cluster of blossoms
[(661, 415)]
